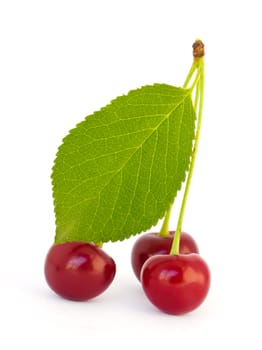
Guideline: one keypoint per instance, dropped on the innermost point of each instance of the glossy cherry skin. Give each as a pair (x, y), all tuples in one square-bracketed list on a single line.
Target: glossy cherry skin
[(176, 284), (151, 244), (78, 271)]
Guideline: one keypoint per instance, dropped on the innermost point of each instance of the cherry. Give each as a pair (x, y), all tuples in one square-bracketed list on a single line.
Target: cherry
[(78, 271), (175, 284), (152, 244)]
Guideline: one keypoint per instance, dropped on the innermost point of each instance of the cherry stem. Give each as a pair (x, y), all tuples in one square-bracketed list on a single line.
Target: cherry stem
[(197, 85), (164, 232), (198, 106)]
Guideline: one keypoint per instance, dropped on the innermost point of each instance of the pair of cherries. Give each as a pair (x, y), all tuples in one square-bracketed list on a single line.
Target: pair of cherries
[(175, 284)]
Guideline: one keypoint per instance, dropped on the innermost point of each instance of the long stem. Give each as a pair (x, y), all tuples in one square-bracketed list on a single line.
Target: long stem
[(199, 100), (164, 232)]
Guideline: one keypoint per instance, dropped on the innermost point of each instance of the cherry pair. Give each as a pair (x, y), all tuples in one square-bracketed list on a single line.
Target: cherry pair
[(175, 284)]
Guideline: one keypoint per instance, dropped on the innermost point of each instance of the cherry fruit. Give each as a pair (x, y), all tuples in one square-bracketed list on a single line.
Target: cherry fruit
[(152, 244), (176, 284), (78, 271)]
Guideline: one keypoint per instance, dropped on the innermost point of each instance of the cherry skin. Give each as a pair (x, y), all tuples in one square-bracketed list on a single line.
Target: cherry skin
[(78, 271), (152, 244), (176, 284)]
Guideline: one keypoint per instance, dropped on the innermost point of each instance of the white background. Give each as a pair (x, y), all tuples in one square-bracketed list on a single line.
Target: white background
[(60, 61)]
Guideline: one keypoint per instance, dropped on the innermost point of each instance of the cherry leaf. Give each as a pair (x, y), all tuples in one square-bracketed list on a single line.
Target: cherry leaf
[(117, 172)]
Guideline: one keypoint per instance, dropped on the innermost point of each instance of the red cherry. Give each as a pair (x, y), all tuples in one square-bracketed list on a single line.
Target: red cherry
[(152, 244), (176, 284), (78, 271)]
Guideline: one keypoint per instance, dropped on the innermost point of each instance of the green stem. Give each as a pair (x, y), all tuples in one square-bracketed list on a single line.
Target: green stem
[(199, 100), (190, 74), (198, 85), (164, 232)]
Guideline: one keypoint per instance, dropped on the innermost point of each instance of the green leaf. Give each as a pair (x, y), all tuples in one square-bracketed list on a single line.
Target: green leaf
[(117, 172)]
